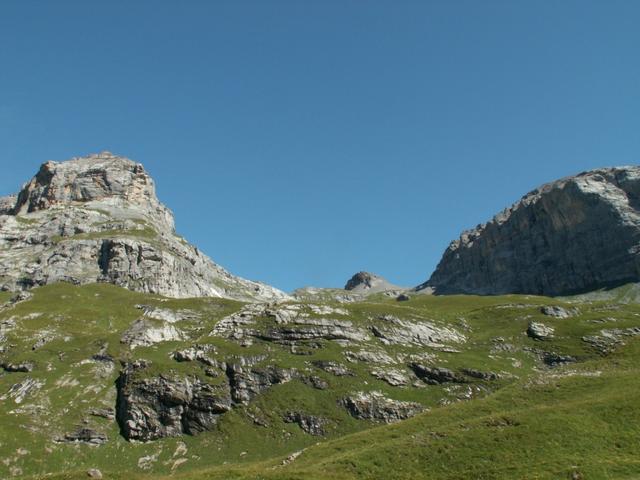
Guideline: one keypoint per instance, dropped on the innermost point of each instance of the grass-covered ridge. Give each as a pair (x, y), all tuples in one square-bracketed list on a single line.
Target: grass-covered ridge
[(581, 419)]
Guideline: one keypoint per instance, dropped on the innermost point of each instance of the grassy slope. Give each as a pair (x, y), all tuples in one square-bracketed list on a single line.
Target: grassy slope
[(544, 424)]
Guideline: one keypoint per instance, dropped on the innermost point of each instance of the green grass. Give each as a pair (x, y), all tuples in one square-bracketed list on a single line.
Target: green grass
[(538, 423)]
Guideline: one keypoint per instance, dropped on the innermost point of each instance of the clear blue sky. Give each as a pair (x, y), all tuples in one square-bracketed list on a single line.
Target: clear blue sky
[(298, 142)]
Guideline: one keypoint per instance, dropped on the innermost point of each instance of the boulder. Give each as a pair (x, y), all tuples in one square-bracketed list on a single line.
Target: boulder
[(539, 331)]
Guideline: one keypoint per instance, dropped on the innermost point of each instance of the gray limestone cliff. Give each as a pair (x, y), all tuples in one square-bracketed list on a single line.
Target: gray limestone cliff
[(573, 235), (97, 219)]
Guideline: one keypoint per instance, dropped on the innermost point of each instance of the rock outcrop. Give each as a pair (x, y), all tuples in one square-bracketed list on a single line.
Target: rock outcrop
[(310, 424), (375, 406), (97, 219), (166, 406), (573, 235), (152, 406), (436, 375)]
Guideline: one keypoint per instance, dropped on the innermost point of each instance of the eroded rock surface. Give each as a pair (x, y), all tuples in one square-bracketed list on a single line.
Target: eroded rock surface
[(247, 383), (311, 424), (425, 333), (375, 406), (155, 407)]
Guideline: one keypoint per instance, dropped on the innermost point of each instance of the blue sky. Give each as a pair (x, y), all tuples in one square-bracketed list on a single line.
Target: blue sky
[(298, 142)]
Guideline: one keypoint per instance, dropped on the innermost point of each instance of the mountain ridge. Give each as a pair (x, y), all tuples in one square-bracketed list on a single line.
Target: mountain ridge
[(568, 236)]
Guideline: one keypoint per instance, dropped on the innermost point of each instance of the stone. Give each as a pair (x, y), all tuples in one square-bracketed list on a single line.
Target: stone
[(97, 219), (573, 235), (7, 204), (291, 458), (334, 368), (94, 473), (19, 391), (315, 329), (436, 375), (369, 356), (198, 353), (143, 333), (24, 367), (310, 424), (292, 325), (85, 435), (107, 413), (539, 331), (316, 382), (395, 378), (552, 359), (168, 315), (557, 312), (392, 330), (480, 375), (376, 407), (167, 406), (247, 383), (403, 297), (610, 339), (42, 341)]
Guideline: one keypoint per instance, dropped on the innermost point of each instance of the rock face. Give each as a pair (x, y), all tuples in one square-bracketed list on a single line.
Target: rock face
[(151, 406), (158, 407), (97, 219), (573, 235)]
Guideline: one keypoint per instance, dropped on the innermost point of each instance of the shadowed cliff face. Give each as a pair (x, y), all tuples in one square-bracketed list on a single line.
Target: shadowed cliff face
[(97, 219), (573, 235)]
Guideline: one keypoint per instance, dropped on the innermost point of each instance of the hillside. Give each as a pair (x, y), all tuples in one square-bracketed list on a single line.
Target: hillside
[(492, 387)]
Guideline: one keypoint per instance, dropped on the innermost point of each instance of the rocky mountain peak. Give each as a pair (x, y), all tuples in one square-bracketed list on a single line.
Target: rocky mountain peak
[(572, 235), (97, 219), (366, 282), (103, 178)]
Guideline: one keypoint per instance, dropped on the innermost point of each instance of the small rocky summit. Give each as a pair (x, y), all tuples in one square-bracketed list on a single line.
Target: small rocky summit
[(365, 282), (97, 219), (573, 235)]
